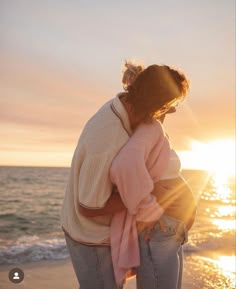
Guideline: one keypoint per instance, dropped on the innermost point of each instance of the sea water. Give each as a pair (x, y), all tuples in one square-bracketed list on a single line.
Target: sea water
[(30, 205)]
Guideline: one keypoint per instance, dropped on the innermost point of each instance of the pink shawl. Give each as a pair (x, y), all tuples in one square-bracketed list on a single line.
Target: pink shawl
[(138, 165)]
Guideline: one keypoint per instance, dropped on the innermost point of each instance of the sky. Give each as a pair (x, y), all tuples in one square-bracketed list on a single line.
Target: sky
[(61, 60)]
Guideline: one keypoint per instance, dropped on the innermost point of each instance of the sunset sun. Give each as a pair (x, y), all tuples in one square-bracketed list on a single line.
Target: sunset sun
[(217, 157)]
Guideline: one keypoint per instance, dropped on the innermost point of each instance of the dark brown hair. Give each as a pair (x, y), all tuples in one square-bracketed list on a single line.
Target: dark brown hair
[(155, 89)]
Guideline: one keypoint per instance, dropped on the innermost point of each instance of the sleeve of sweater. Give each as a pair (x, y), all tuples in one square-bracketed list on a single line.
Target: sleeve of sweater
[(93, 184), (130, 174)]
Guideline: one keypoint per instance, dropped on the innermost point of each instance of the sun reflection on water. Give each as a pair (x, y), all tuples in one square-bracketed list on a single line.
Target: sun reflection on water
[(226, 211), (227, 265), (222, 212), (222, 190), (224, 265), (225, 225), (223, 193)]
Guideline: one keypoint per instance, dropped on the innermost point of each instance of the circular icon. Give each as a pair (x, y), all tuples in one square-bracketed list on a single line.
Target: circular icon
[(16, 275)]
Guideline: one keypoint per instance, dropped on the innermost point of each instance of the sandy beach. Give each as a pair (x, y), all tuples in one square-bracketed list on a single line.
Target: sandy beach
[(200, 273)]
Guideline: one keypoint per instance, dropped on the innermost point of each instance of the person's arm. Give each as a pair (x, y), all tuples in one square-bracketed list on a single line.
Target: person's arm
[(95, 195), (113, 205), (129, 173), (137, 166)]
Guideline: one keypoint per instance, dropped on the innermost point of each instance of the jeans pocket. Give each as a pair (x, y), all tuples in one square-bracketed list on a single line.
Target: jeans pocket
[(174, 228), (182, 233)]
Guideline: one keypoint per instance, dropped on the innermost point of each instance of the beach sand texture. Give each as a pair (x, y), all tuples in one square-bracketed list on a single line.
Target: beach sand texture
[(199, 274)]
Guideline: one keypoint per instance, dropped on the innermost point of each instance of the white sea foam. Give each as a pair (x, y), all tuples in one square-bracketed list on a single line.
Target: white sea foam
[(37, 249)]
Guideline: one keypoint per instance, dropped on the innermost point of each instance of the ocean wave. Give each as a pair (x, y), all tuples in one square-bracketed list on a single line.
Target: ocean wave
[(32, 248), (7, 215), (211, 243)]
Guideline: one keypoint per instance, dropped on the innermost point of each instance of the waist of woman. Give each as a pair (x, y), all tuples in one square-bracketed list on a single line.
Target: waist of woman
[(172, 181), (177, 199)]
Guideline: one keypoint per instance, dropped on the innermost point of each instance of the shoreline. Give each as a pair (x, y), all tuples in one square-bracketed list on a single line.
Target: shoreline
[(200, 272), (48, 274)]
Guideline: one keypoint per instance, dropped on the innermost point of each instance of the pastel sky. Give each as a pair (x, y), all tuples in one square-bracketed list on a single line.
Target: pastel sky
[(60, 60)]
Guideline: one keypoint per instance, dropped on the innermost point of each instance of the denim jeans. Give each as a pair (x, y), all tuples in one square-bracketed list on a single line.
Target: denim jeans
[(161, 260), (92, 265), (162, 256)]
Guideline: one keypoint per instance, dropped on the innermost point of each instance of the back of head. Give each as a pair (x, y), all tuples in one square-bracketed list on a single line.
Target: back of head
[(130, 73), (155, 89)]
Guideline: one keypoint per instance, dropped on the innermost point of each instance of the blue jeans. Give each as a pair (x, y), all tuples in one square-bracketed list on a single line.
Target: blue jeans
[(92, 265), (162, 256), (161, 260)]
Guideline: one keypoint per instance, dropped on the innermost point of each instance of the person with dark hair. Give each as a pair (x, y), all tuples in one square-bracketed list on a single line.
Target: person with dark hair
[(148, 163), (124, 176)]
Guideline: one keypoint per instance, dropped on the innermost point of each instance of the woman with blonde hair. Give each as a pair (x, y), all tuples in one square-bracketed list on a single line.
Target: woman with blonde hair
[(124, 187)]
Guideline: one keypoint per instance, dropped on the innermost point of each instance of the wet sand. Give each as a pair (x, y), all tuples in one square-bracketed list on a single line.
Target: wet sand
[(200, 272)]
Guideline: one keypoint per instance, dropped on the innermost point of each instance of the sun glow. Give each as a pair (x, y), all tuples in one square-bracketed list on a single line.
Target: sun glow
[(227, 265), (225, 211), (217, 157), (223, 266), (224, 215), (225, 225)]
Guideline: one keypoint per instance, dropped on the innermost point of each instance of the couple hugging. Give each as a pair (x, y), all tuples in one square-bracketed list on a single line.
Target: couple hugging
[(127, 210)]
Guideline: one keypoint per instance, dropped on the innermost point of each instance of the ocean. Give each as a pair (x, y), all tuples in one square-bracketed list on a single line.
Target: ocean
[(30, 204)]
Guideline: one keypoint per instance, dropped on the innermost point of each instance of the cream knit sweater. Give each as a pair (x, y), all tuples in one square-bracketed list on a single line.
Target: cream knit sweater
[(89, 184)]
